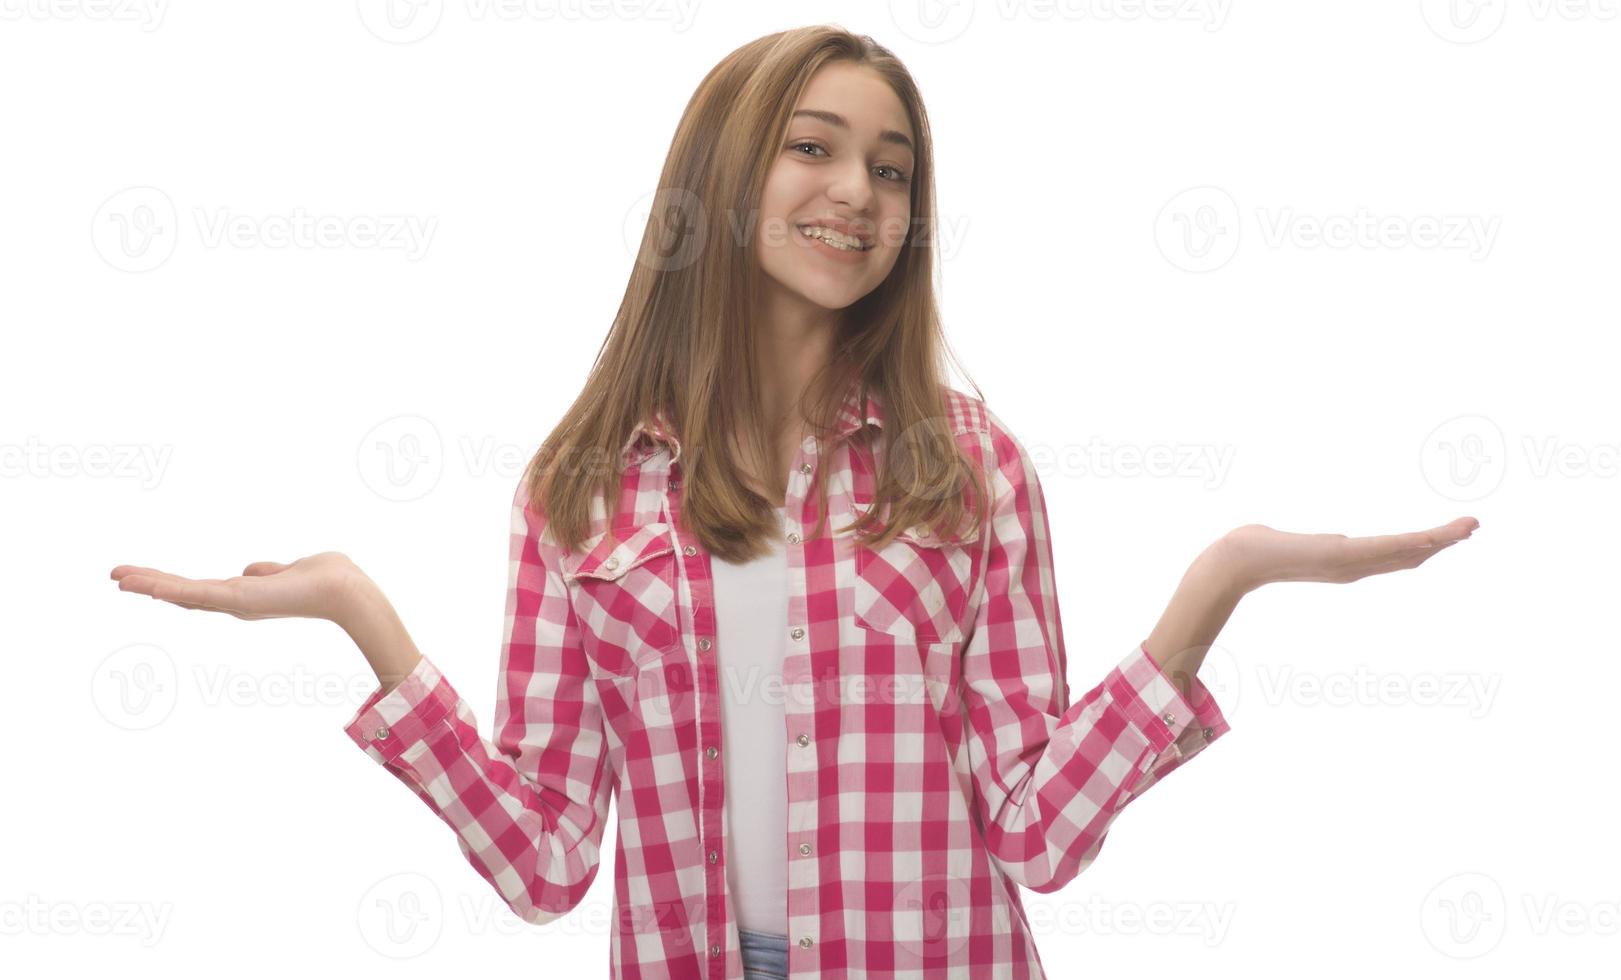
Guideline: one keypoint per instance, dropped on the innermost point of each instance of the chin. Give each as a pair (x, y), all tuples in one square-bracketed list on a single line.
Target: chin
[(832, 300)]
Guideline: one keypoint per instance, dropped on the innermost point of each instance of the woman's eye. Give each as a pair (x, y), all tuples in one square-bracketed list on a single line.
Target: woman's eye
[(898, 176)]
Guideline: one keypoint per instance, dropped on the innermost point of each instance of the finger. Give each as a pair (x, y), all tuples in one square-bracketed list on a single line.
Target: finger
[(216, 596), (154, 574), (1379, 554), (1379, 548), (1454, 530), (146, 580), (1383, 567), (148, 586), (124, 571)]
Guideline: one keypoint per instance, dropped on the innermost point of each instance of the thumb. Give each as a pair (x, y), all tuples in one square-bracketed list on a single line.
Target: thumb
[(264, 568)]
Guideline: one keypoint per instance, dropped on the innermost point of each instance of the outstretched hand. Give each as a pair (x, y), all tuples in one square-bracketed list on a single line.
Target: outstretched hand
[(1259, 554), (320, 586)]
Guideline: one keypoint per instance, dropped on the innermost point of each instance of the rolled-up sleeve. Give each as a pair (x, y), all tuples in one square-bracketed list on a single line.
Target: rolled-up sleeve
[(529, 807), (1049, 775)]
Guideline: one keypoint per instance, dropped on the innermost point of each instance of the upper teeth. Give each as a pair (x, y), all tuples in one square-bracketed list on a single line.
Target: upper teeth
[(833, 238)]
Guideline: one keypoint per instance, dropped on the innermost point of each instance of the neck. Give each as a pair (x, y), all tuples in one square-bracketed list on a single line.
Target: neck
[(792, 348)]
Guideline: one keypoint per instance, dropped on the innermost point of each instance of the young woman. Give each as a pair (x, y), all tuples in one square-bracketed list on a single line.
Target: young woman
[(786, 593)]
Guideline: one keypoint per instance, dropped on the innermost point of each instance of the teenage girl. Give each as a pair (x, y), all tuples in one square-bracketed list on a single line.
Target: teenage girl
[(785, 594)]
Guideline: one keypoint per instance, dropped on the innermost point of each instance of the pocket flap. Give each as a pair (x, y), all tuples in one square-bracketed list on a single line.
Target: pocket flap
[(617, 550)]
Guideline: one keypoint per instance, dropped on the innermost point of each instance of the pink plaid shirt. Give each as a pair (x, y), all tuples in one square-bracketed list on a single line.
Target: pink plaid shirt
[(935, 758)]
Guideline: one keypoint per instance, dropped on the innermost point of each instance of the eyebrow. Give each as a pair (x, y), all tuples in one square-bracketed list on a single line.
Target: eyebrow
[(834, 119)]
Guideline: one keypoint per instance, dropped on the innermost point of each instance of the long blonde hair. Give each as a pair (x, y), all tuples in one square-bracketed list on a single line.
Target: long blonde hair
[(682, 342)]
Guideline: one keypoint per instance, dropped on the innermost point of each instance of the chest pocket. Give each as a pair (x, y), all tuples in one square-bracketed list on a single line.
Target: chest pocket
[(915, 587), (623, 585)]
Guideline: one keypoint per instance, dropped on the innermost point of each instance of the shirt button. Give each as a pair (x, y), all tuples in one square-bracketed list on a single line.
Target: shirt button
[(798, 632), (713, 857), (383, 733), (1208, 733), (714, 951), (711, 751), (804, 849), (1170, 719), (703, 643), (675, 484), (805, 468), (803, 739), (793, 537), (689, 551), (612, 562), (805, 942)]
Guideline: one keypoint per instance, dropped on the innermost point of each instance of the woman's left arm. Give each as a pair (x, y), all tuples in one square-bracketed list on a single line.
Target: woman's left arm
[(1050, 776), (1254, 555)]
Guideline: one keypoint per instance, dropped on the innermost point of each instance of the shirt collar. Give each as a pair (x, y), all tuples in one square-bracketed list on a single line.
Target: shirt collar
[(658, 430)]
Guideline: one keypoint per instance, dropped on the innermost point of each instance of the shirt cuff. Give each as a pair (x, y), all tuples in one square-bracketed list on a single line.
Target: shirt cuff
[(1157, 707), (386, 725)]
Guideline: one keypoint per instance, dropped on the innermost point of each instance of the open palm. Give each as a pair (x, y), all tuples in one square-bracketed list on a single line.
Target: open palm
[(315, 587), (1261, 554)]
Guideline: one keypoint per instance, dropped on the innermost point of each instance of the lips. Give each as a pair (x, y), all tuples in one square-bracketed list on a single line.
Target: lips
[(843, 228)]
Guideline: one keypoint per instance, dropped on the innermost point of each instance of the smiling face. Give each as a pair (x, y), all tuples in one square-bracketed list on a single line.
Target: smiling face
[(847, 162)]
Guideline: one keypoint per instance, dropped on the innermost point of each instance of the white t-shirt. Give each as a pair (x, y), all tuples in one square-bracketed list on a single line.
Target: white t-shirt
[(751, 633)]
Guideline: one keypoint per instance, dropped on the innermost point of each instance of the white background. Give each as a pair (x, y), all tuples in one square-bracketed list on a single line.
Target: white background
[(1151, 265)]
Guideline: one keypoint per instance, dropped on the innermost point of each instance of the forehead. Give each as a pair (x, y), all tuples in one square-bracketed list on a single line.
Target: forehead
[(858, 94)]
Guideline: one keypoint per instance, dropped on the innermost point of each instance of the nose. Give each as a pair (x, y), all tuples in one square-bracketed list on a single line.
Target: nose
[(851, 186)]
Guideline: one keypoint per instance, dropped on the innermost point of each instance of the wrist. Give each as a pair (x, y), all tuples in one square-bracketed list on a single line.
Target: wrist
[(1224, 573), (375, 627), (357, 601)]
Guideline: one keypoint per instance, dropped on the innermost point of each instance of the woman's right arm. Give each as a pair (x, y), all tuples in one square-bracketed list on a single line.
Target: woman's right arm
[(528, 808)]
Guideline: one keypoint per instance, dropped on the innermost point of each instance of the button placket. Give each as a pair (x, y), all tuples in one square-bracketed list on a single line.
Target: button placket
[(711, 818), (797, 801)]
